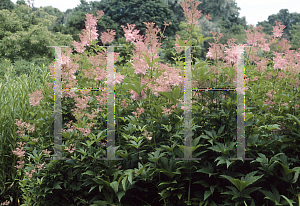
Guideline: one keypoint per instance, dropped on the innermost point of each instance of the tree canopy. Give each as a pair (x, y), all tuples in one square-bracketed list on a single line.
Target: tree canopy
[(283, 16), (7, 4), (25, 33)]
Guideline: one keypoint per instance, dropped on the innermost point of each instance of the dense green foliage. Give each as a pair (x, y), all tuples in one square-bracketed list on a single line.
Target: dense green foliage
[(295, 36), (25, 33), (156, 177)]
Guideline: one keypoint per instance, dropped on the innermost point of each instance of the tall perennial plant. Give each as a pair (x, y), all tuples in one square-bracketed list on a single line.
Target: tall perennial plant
[(145, 58)]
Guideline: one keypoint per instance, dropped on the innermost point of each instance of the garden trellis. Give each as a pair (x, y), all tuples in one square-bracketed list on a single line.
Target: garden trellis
[(58, 106), (240, 105), (187, 109)]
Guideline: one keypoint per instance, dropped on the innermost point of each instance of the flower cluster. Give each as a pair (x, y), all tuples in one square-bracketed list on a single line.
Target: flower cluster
[(35, 97), (269, 101), (41, 166), (29, 175), (124, 104), (103, 144), (20, 153), (167, 111), (46, 152), (191, 13), (140, 111), (22, 126), (69, 149), (5, 203), (146, 134)]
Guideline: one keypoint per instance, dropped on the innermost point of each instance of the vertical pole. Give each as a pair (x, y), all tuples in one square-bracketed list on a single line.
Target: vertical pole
[(240, 106), (110, 106), (58, 106), (188, 134)]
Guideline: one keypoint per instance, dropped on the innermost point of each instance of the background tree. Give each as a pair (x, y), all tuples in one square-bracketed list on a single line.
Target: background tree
[(295, 36), (21, 2), (136, 12), (117, 13), (225, 19), (24, 35), (7, 4), (59, 24), (283, 16)]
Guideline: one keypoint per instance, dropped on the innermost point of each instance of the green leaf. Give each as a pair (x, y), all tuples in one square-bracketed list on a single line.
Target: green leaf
[(156, 60), (179, 196), (120, 195), (221, 130), (159, 110), (147, 60), (295, 118), (56, 185), (207, 193), (130, 176), (89, 172), (288, 200), (92, 189), (240, 185), (180, 42), (114, 185), (189, 43), (168, 95), (286, 169), (124, 183), (244, 182)]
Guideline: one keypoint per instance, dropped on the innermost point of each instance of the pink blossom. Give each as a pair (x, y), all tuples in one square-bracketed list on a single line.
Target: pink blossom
[(117, 80), (69, 149), (89, 34), (5, 203), (190, 11), (46, 152), (261, 65), (284, 45), (108, 37), (253, 39), (167, 111), (20, 153), (278, 29), (233, 54), (140, 111), (41, 166), (102, 99), (215, 51), (20, 164), (124, 104), (130, 34), (22, 126), (281, 76), (279, 61), (30, 175), (36, 97), (208, 17)]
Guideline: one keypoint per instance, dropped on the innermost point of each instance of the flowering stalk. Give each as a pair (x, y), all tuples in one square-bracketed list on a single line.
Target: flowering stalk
[(87, 39), (164, 83)]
